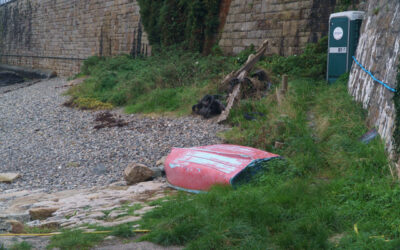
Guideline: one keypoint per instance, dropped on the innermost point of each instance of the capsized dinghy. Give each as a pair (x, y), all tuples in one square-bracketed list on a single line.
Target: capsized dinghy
[(197, 169)]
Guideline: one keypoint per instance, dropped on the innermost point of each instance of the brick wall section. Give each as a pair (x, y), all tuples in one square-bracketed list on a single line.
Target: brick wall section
[(288, 24), (57, 34)]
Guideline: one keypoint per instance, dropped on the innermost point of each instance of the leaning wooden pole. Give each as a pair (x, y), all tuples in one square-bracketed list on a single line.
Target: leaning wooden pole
[(240, 75)]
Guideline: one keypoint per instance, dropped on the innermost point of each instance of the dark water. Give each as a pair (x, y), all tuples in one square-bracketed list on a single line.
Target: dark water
[(9, 78)]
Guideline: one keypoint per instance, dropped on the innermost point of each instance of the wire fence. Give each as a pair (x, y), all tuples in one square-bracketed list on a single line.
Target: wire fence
[(4, 1)]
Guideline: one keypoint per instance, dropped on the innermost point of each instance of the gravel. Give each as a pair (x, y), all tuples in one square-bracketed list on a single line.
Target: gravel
[(56, 148)]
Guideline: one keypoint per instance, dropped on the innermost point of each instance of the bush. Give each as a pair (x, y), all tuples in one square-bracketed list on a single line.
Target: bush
[(89, 63), (311, 63)]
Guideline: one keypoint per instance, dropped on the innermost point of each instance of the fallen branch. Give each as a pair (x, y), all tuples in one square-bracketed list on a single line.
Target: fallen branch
[(240, 76), (73, 82)]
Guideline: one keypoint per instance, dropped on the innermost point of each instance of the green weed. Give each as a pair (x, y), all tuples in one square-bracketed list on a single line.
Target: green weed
[(170, 81), (74, 239), (87, 103), (124, 231), (21, 246), (311, 63)]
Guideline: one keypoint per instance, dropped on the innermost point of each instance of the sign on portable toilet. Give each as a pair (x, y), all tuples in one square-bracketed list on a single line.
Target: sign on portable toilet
[(344, 32)]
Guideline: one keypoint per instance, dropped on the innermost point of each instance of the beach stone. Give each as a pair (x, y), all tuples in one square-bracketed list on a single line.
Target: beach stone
[(8, 177), (100, 169), (136, 173), (9, 77), (16, 227), (96, 215), (42, 212), (116, 213), (50, 224), (161, 161), (23, 217), (5, 226)]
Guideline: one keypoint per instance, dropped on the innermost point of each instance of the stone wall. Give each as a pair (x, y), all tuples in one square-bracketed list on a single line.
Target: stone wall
[(59, 34), (378, 51), (289, 24)]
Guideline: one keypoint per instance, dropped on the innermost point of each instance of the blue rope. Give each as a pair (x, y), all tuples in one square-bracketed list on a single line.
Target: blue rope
[(373, 77)]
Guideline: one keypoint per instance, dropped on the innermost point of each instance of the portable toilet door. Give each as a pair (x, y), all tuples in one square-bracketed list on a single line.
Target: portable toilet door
[(344, 32)]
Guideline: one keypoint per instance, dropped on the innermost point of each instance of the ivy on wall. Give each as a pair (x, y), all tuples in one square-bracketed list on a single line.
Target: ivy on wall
[(343, 5), (186, 22)]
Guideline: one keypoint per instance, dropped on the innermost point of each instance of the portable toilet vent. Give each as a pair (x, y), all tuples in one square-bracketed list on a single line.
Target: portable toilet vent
[(344, 32)]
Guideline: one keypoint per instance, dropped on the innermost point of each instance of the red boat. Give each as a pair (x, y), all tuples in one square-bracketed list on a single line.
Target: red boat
[(198, 169)]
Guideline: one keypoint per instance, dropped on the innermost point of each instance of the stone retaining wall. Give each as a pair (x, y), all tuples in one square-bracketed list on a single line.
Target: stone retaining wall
[(59, 34), (378, 51), (289, 24)]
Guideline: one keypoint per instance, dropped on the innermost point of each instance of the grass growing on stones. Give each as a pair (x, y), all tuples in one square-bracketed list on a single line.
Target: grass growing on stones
[(40, 230), (335, 191), (125, 210), (75, 239), (78, 239), (21, 246), (123, 231), (87, 103)]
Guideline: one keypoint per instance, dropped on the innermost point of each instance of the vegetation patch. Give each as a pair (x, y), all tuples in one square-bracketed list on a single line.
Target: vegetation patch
[(187, 22), (331, 191), (74, 239), (311, 63), (330, 184), (19, 246), (170, 81), (78, 239), (87, 103)]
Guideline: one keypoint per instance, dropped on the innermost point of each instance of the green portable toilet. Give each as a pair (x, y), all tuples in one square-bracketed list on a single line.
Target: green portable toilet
[(344, 31)]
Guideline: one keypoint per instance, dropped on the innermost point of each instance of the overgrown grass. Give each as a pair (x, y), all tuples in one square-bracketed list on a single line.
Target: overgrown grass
[(170, 81), (78, 239), (20, 246), (333, 183), (332, 192), (74, 239), (311, 63)]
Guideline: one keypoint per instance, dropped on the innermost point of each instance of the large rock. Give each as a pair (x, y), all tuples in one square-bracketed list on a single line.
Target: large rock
[(16, 227), (7, 219), (41, 213), (136, 173), (9, 77), (5, 226), (8, 177)]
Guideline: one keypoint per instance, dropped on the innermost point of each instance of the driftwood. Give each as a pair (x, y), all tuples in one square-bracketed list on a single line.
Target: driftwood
[(280, 93), (73, 82), (240, 75)]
